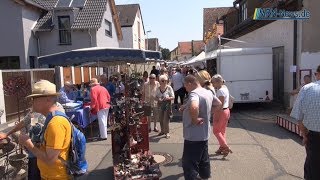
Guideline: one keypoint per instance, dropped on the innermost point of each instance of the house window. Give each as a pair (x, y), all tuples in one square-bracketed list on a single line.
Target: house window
[(108, 30), (243, 11), (225, 26), (64, 30), (9, 62)]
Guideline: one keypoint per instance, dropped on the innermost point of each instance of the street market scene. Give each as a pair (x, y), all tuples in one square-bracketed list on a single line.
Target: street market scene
[(150, 90)]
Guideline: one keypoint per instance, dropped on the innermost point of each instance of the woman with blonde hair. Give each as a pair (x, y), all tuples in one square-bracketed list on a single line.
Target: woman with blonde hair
[(205, 80), (164, 95), (221, 117)]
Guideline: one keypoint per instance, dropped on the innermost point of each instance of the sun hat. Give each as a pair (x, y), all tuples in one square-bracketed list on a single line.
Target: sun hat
[(43, 88)]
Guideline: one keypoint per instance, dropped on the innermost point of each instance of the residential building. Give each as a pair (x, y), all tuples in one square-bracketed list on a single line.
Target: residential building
[(132, 26), (186, 50), (281, 35), (152, 44), (43, 27), (18, 43)]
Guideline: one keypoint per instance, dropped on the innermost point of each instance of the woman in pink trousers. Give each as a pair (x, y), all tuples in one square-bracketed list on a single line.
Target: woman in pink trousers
[(221, 117)]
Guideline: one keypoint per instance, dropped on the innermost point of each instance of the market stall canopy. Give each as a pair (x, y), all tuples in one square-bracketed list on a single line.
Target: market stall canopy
[(195, 59), (100, 55), (153, 55), (236, 51)]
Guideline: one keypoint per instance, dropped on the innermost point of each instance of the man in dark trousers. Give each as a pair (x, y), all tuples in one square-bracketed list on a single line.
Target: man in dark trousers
[(307, 111), (196, 129)]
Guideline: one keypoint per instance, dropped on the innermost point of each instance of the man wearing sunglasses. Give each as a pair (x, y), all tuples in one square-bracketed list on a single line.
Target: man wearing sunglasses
[(307, 111)]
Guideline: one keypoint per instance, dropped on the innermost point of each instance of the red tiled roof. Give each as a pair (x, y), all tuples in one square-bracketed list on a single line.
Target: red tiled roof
[(186, 48)]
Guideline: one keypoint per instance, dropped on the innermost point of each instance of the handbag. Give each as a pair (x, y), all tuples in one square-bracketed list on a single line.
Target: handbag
[(147, 110), (231, 101)]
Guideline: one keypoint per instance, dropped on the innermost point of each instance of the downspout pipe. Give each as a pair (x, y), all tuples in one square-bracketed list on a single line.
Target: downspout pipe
[(38, 48), (295, 51)]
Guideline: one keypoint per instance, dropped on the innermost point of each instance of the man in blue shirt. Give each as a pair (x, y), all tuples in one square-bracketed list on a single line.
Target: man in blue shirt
[(306, 111)]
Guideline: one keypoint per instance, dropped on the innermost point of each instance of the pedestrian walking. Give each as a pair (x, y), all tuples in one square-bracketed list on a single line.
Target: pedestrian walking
[(204, 79), (221, 116), (149, 98), (100, 105), (179, 90), (196, 129), (306, 112), (164, 96)]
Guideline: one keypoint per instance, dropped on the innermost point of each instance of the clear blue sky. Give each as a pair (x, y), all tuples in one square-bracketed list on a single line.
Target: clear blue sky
[(174, 20)]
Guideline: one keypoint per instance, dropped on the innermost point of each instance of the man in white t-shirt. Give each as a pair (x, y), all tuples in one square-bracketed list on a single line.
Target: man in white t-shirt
[(179, 90)]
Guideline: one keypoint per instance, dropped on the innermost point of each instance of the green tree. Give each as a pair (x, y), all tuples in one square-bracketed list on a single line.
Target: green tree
[(165, 53)]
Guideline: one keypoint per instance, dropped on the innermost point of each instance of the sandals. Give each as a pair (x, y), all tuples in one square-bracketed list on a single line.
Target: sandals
[(225, 151)]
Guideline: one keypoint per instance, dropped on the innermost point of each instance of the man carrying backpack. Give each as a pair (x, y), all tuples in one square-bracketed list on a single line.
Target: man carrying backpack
[(56, 136)]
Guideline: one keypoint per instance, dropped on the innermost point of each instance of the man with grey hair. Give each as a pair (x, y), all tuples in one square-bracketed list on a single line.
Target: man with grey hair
[(196, 129), (67, 93), (306, 111)]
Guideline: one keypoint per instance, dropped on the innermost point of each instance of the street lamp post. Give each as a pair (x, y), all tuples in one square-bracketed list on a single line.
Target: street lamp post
[(147, 48)]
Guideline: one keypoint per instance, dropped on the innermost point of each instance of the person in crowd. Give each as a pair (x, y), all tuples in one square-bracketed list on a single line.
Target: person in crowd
[(205, 80), (306, 112), (294, 93), (306, 80), (145, 76), (179, 90), (32, 129), (57, 135), (164, 96), (120, 88), (100, 104), (196, 129), (155, 71), (149, 97), (67, 93), (221, 117), (111, 87)]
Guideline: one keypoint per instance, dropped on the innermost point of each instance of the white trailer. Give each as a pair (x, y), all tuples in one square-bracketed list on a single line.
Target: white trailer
[(247, 72)]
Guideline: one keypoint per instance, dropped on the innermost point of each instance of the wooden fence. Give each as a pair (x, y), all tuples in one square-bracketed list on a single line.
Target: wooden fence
[(14, 86)]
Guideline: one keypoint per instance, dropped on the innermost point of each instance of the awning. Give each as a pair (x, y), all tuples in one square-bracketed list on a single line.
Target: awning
[(105, 56), (153, 55), (235, 51), (196, 59)]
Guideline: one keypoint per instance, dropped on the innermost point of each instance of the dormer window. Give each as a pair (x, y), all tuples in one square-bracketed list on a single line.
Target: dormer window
[(243, 10), (64, 30)]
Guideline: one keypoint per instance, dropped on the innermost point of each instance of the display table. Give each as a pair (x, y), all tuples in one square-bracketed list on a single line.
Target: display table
[(82, 116)]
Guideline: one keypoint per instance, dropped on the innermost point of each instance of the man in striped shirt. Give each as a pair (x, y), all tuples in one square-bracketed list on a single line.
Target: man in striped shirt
[(307, 111)]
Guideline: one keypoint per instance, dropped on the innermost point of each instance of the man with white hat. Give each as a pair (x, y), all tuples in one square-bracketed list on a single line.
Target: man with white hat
[(100, 105), (57, 134)]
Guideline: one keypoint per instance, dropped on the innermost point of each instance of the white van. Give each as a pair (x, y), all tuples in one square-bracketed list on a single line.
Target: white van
[(247, 72)]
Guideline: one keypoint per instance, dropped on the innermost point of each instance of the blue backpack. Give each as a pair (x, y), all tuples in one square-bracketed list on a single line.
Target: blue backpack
[(76, 164)]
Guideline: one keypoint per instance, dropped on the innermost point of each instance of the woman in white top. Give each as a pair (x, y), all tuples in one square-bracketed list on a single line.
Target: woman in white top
[(221, 117), (164, 95)]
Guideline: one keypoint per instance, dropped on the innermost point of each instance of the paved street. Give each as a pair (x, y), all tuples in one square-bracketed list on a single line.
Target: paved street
[(261, 149)]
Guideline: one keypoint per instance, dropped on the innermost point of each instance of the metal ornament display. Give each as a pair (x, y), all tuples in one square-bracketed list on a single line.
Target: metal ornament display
[(16, 86), (130, 136)]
